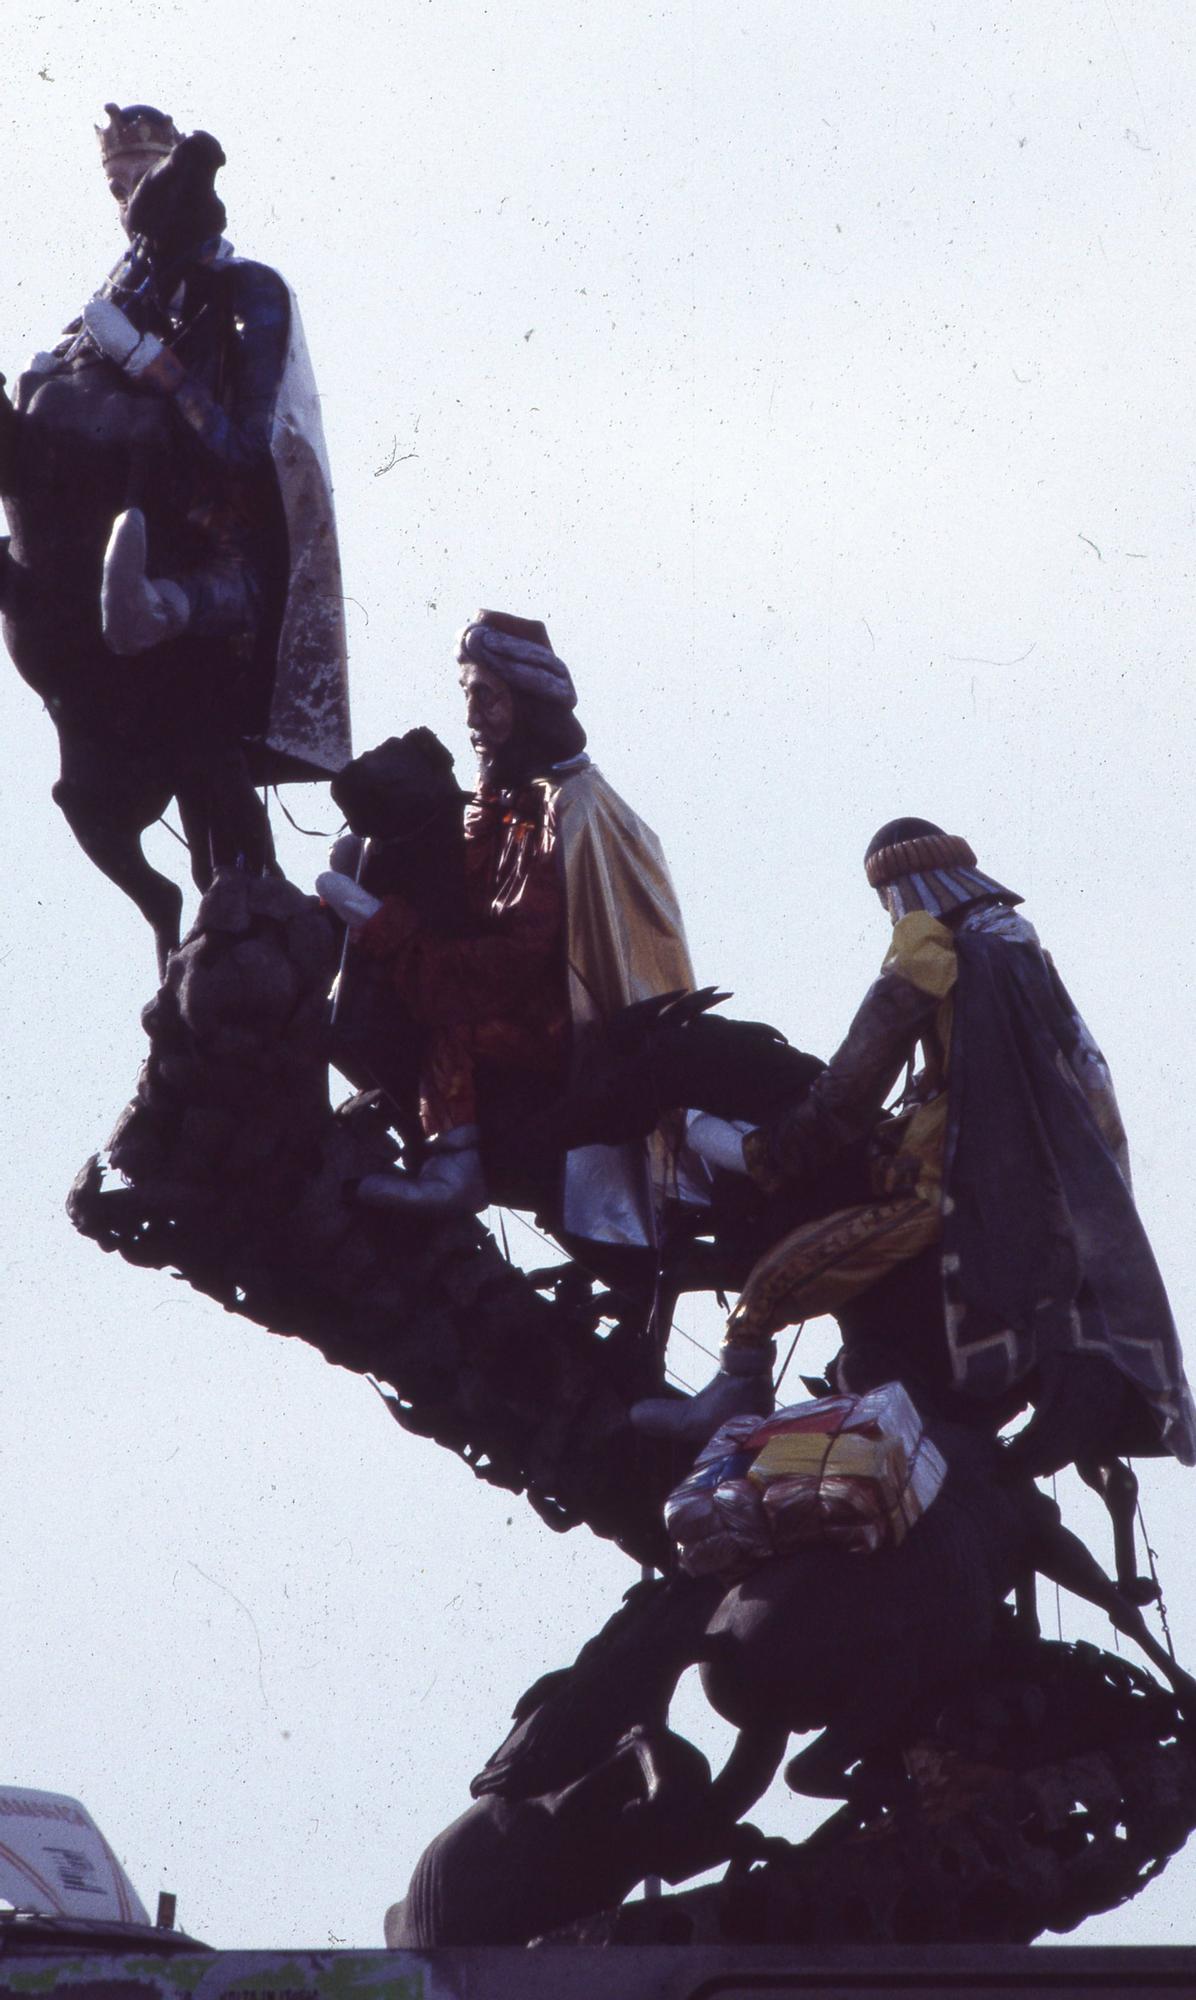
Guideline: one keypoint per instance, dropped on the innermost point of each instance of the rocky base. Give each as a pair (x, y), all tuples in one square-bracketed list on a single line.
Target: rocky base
[(1056, 1790), (230, 1168)]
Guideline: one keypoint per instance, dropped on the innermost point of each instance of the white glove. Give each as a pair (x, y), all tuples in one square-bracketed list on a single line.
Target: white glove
[(352, 904), (119, 339)]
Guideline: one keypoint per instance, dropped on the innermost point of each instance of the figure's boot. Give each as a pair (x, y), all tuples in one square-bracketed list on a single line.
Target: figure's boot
[(718, 1141), (450, 1181), (742, 1388), (137, 612)]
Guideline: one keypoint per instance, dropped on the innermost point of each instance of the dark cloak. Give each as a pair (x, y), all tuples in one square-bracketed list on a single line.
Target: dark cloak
[(1043, 1248)]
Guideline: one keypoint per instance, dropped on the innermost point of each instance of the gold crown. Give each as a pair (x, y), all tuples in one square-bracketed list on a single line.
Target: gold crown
[(136, 129)]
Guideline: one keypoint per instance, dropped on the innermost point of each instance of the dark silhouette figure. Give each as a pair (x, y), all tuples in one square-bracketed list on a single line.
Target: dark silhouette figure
[(153, 581)]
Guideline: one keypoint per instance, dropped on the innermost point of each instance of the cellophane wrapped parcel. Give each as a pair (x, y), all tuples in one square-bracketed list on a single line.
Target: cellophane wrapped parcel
[(849, 1472)]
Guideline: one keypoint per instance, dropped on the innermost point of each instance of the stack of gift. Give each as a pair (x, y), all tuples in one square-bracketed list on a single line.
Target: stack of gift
[(852, 1471), (847, 1472), (716, 1516)]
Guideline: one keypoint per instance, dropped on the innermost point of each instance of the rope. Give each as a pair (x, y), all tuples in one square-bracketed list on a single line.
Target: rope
[(788, 1358), (312, 832), (172, 831), (1154, 1577), (595, 1279), (1058, 1594)]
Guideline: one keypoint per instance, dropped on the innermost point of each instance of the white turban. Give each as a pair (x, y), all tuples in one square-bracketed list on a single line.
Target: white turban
[(521, 663)]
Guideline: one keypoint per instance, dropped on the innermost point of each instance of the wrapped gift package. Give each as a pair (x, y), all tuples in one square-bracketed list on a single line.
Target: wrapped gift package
[(716, 1515), (849, 1472)]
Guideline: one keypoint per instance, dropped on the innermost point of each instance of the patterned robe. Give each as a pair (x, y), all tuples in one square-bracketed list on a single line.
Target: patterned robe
[(1008, 1149)]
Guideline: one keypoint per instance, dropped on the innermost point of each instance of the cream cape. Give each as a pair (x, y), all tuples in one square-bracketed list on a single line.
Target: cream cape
[(626, 942)]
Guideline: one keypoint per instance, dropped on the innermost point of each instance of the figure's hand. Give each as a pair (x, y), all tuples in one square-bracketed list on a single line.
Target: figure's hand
[(351, 903), (117, 337), (344, 856), (141, 355)]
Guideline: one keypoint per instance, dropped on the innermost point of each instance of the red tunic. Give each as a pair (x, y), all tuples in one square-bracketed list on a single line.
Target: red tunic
[(496, 993)]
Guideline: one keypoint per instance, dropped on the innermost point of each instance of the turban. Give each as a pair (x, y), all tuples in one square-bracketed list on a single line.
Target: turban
[(523, 662)]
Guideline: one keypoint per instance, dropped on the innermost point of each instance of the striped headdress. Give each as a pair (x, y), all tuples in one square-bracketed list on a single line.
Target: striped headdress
[(914, 865)]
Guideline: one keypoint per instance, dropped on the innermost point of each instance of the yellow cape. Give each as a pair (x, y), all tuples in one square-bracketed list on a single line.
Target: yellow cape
[(626, 941)]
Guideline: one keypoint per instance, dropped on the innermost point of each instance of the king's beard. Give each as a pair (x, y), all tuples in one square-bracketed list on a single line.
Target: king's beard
[(503, 767)]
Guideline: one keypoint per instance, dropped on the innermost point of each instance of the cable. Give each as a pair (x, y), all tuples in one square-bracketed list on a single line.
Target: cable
[(671, 1374), (175, 835), (593, 1275), (801, 1326), (1154, 1577), (1058, 1594), (312, 832)]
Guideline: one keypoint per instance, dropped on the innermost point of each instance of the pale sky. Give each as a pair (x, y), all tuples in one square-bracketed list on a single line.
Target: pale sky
[(822, 376)]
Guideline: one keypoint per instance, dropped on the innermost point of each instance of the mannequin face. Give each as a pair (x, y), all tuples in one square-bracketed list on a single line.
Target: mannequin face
[(489, 711), (124, 171)]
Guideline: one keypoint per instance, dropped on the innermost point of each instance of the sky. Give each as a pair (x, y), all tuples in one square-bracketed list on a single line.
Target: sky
[(822, 377)]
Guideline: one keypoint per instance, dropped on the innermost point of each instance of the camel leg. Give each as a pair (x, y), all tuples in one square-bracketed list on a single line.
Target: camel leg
[(750, 1769), (192, 803), (113, 843), (1062, 1557), (823, 1769), (224, 820), (1118, 1488), (623, 1678), (1025, 1602)]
